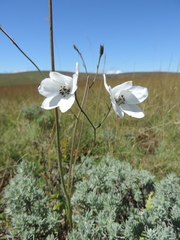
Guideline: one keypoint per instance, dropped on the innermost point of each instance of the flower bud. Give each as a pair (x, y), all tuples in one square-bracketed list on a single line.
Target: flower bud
[(101, 50), (74, 46)]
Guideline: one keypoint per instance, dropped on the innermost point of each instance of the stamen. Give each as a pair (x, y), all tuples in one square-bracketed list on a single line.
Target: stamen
[(64, 91), (120, 99)]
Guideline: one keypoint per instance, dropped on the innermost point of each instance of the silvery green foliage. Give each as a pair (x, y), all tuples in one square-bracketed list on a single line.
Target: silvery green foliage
[(51, 237), (159, 233), (110, 202), (32, 112), (162, 221), (26, 205), (106, 195)]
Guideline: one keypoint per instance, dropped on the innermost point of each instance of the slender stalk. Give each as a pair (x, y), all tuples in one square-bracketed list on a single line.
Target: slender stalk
[(101, 51), (84, 112), (70, 178), (60, 167), (94, 127), (12, 40), (100, 124), (71, 168), (51, 35), (70, 175), (80, 54)]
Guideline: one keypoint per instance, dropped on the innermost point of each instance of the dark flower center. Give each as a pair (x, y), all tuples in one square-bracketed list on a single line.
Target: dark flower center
[(120, 99), (64, 91)]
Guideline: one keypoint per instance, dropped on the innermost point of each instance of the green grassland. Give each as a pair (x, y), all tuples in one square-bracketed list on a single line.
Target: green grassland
[(151, 143)]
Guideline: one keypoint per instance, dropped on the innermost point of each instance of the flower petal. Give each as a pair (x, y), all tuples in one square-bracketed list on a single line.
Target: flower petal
[(74, 79), (119, 88), (66, 103), (47, 89), (141, 93), (105, 83), (51, 102), (129, 97), (77, 68), (132, 110), (74, 83), (118, 110), (61, 79), (116, 107)]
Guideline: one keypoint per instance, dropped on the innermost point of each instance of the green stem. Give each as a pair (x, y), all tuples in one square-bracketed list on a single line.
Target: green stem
[(60, 167)]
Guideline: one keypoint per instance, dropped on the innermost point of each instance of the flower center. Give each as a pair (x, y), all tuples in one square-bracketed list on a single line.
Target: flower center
[(64, 91), (120, 99)]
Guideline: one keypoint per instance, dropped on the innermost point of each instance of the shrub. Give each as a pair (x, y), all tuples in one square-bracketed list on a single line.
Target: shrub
[(46, 121), (113, 201), (27, 207), (106, 195), (32, 112), (162, 219)]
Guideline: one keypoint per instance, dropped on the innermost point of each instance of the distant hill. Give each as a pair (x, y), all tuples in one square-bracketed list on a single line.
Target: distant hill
[(35, 77), (21, 78)]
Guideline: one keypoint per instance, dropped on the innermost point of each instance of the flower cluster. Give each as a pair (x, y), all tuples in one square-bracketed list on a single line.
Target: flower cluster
[(60, 89)]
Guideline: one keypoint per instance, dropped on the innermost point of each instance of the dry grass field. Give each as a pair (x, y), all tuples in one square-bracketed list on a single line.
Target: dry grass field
[(151, 143)]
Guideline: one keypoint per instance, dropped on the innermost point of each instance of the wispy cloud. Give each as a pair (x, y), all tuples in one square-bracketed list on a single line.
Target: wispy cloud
[(113, 72), (18, 71)]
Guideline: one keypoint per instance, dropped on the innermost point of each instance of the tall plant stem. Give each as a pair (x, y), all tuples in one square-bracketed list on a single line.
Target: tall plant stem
[(51, 35), (85, 95), (60, 167), (70, 174), (12, 40)]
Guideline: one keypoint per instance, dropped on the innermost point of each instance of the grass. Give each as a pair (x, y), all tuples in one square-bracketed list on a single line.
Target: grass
[(151, 143)]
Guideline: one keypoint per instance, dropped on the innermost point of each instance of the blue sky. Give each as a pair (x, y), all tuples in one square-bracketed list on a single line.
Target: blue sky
[(138, 35)]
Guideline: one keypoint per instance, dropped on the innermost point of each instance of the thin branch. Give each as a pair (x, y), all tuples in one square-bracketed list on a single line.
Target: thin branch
[(12, 40), (60, 167), (100, 124), (80, 54), (84, 112)]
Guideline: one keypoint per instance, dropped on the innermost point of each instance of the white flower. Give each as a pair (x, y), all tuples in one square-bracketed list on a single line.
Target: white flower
[(124, 98), (59, 90)]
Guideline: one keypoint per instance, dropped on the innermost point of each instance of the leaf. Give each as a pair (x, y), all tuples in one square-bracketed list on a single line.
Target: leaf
[(56, 196), (60, 206), (149, 204)]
